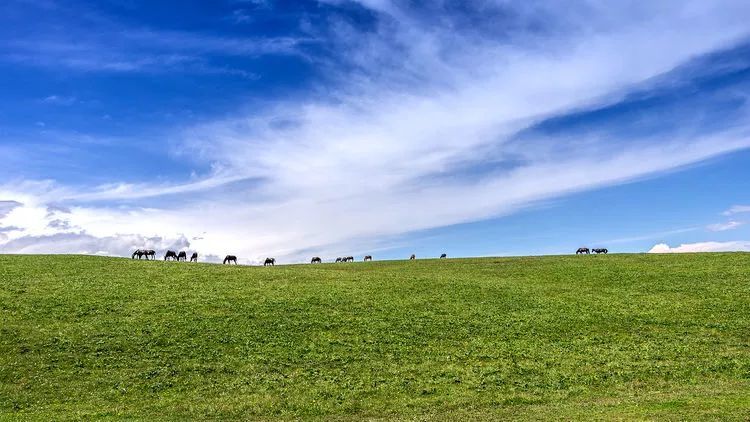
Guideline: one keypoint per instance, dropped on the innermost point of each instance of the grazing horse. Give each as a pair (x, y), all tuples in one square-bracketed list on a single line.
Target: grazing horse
[(368, 258), (349, 259), (139, 253), (339, 259), (412, 257), (316, 260), (582, 251), (170, 255), (269, 261), (600, 250), (150, 253), (443, 256), (194, 257), (229, 259), (182, 256)]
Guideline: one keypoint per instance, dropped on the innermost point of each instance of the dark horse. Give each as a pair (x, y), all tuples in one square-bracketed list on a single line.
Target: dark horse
[(269, 261), (229, 259), (316, 260), (139, 253), (339, 259), (170, 255), (182, 256), (582, 251), (443, 256), (600, 250), (150, 253), (349, 259), (368, 258), (412, 257), (194, 257)]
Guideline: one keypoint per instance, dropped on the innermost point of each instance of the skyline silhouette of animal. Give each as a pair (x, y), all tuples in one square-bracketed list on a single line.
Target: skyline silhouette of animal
[(270, 261), (229, 259), (600, 250), (367, 258), (316, 260), (182, 256), (443, 256), (150, 253), (582, 251), (412, 257), (350, 259), (170, 256), (139, 253), (339, 259), (194, 257)]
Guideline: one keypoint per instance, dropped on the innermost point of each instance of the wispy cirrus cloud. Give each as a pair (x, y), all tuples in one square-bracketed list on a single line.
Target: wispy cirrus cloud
[(59, 100), (89, 41), (650, 236), (737, 209), (721, 227), (143, 50), (417, 126)]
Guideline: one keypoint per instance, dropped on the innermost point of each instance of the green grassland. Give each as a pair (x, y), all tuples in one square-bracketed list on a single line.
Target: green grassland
[(573, 337)]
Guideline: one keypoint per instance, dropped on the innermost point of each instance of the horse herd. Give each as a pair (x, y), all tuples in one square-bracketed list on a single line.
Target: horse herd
[(317, 260), (169, 256), (586, 251), (150, 254)]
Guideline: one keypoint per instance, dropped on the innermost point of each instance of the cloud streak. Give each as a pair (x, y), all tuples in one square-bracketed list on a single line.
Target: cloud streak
[(737, 209), (87, 41), (722, 227)]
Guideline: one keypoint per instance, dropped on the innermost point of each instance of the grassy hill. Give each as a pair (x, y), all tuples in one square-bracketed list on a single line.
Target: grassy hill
[(618, 336)]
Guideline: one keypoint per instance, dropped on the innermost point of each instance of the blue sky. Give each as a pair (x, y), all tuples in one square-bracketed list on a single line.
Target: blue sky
[(336, 127)]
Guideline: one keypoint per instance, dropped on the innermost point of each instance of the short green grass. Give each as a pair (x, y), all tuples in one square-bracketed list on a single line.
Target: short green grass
[(587, 337)]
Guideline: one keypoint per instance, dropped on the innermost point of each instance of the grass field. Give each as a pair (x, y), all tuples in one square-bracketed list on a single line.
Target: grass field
[(588, 337)]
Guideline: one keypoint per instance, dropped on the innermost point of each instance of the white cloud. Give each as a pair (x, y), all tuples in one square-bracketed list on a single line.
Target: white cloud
[(83, 243), (397, 145), (734, 246), (59, 100), (383, 6), (737, 209), (7, 206), (100, 44), (720, 227)]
